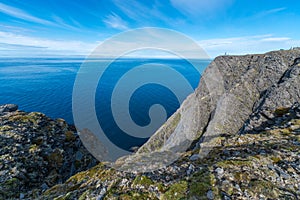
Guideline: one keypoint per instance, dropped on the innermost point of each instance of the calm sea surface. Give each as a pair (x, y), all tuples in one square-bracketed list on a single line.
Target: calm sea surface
[(46, 84)]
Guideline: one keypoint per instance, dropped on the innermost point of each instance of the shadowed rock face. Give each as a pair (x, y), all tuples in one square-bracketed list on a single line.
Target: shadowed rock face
[(230, 90), (280, 95)]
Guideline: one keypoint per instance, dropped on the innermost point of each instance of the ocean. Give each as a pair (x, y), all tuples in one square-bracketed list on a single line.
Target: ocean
[(46, 85)]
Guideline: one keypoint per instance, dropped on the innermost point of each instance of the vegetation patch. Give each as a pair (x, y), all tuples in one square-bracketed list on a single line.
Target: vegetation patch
[(142, 180), (176, 191), (263, 187), (200, 183), (281, 111)]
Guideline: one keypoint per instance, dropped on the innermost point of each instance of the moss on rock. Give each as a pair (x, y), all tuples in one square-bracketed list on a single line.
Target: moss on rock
[(142, 180), (176, 191)]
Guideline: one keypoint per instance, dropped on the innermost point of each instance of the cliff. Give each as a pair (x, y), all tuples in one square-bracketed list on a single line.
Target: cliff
[(231, 89), (37, 153), (235, 137)]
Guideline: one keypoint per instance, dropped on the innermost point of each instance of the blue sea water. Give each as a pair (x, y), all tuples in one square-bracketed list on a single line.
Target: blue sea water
[(46, 84)]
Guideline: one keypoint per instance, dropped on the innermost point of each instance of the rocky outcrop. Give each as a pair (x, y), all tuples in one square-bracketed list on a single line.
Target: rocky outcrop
[(37, 153), (264, 165), (284, 93), (8, 108), (231, 89)]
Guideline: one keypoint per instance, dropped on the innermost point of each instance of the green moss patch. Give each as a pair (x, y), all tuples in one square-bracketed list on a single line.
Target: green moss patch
[(176, 191), (200, 183)]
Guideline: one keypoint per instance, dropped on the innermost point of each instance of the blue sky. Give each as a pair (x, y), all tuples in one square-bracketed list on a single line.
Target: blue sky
[(63, 27)]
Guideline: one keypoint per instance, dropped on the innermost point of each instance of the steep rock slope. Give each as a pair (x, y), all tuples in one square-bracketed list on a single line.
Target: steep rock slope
[(229, 92), (282, 94)]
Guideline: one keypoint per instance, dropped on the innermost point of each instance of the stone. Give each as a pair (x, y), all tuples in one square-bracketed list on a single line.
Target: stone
[(33, 150), (22, 196), (219, 171), (8, 108), (194, 157), (44, 186), (210, 195), (78, 155)]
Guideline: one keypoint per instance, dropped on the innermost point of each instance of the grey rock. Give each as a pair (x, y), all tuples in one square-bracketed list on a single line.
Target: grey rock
[(194, 157), (219, 171), (34, 150), (102, 194), (232, 90), (8, 108), (78, 156), (22, 196), (270, 166), (44, 186), (210, 195)]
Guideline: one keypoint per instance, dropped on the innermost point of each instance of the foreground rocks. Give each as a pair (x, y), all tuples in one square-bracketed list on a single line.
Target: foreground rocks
[(37, 153), (258, 165)]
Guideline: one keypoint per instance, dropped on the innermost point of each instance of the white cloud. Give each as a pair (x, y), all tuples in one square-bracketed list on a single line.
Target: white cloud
[(20, 14), (133, 9), (275, 10), (115, 21), (200, 7), (40, 46), (60, 22), (246, 45), (12, 44), (269, 12), (276, 39), (145, 15)]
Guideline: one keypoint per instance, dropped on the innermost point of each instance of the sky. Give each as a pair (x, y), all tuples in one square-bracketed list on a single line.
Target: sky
[(75, 28)]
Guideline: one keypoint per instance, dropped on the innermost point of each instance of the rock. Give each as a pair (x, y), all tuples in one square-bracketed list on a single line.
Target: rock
[(229, 92), (194, 157), (33, 150), (190, 169), (22, 196), (8, 108), (210, 195), (101, 195), (219, 171), (44, 187), (271, 167), (78, 155)]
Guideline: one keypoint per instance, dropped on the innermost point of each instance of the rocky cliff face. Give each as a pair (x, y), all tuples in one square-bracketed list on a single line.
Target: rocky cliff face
[(37, 153), (238, 135), (231, 89)]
